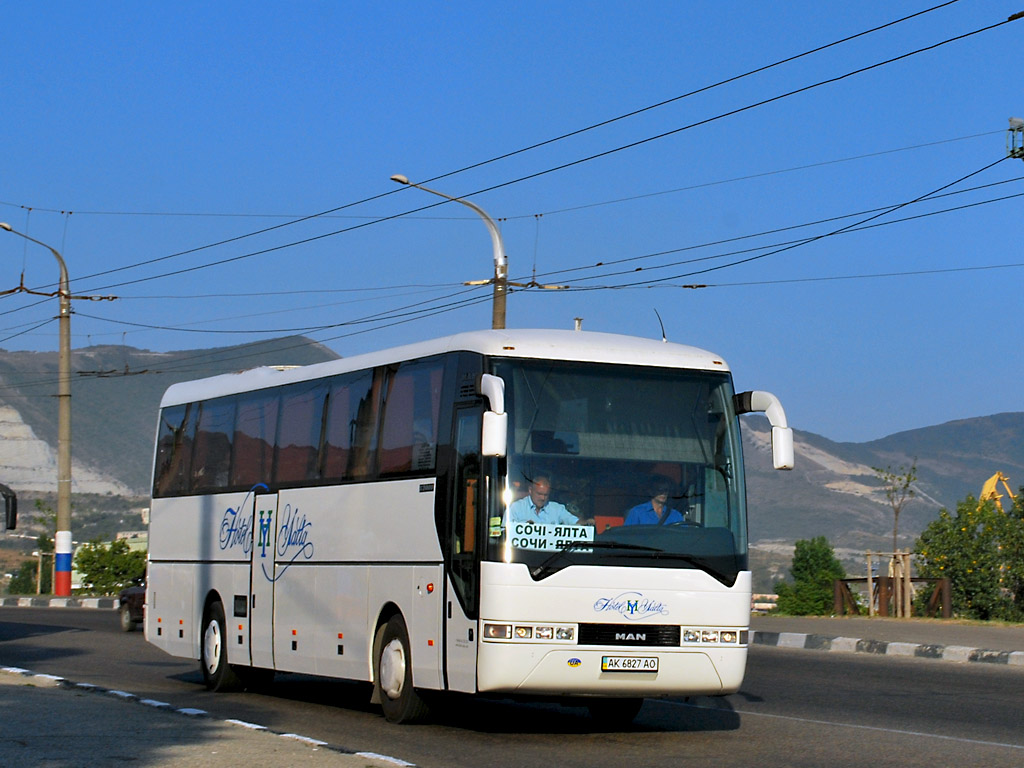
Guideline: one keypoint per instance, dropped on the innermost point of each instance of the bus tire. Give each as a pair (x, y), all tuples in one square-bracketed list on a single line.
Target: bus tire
[(393, 675), (213, 651), (614, 713)]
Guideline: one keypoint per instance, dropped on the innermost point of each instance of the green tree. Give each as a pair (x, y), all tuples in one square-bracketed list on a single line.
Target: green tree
[(898, 491), (24, 581), (814, 568), (980, 549), (106, 569)]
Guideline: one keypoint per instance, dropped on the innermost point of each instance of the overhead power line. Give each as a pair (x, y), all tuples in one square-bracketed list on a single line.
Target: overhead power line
[(806, 241), (560, 274), (537, 174), (517, 152)]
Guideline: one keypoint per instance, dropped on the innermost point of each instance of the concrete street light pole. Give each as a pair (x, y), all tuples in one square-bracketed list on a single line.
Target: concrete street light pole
[(62, 540), (500, 280)]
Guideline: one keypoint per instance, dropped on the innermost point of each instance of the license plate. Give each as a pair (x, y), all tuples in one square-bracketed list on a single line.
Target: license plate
[(629, 663)]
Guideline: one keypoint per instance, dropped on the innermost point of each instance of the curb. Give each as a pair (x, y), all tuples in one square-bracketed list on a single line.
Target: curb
[(60, 682), (957, 653), (59, 602)]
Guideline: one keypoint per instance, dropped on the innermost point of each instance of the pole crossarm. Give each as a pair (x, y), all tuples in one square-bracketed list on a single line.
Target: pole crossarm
[(22, 288)]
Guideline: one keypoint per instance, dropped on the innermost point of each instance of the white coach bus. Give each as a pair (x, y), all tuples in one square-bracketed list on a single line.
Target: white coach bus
[(375, 518)]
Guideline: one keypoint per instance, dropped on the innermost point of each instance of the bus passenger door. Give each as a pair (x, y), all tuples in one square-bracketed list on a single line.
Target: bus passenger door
[(463, 556), (261, 598)]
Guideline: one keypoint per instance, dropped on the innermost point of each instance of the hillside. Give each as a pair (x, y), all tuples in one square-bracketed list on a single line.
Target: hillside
[(115, 392), (834, 492)]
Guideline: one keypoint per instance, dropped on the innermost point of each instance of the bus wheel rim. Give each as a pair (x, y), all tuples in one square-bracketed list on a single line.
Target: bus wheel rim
[(392, 669), (211, 640)]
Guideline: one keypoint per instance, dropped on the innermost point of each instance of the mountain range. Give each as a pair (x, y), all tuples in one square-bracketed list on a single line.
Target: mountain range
[(833, 491)]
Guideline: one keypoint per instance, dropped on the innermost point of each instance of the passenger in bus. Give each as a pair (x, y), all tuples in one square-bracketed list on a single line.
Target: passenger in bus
[(656, 511), (537, 507)]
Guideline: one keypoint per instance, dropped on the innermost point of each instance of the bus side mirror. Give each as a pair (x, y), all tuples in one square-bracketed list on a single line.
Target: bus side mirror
[(782, 434), (10, 521), (494, 431)]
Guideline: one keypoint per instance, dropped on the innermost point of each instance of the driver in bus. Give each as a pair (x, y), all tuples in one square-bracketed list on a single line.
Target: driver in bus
[(537, 507), (656, 511)]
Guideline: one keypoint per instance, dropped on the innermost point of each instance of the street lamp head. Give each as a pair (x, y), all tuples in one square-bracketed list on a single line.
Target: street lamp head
[(400, 178), (5, 225), (1016, 124)]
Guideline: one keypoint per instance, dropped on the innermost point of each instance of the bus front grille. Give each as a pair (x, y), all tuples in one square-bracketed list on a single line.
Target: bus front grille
[(625, 634)]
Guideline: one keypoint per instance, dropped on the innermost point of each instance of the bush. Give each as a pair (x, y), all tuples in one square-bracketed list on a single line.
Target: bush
[(814, 569), (980, 549), (106, 570)]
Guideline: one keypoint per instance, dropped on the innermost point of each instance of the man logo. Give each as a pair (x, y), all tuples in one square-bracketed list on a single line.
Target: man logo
[(639, 637), (574, 662)]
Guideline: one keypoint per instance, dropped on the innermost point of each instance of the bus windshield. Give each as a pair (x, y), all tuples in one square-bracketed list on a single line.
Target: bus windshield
[(620, 465)]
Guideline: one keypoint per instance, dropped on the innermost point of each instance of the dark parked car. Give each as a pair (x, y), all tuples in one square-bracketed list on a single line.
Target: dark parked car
[(131, 603)]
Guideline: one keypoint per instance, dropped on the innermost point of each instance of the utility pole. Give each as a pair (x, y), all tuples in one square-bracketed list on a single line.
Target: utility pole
[(62, 539)]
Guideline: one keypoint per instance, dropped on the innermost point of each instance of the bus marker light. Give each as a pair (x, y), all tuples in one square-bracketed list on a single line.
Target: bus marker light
[(430, 588), (728, 636), (430, 643), (524, 632)]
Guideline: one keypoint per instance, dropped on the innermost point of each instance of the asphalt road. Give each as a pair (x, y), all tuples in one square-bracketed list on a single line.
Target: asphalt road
[(796, 708)]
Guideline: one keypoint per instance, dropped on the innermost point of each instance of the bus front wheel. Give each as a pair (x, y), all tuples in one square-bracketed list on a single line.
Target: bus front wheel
[(399, 700), (213, 651)]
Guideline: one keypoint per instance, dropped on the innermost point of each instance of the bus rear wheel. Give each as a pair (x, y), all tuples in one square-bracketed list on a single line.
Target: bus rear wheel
[(399, 700), (213, 652)]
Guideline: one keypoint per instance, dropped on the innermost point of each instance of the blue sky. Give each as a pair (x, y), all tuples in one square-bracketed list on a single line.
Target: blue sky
[(132, 132)]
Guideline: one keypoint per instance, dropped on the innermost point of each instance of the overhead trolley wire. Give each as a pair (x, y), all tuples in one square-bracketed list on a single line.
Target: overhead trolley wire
[(558, 274), (806, 241), (537, 145)]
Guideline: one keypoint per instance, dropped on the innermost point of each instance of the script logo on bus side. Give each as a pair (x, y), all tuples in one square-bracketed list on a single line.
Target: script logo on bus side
[(631, 605), (236, 525)]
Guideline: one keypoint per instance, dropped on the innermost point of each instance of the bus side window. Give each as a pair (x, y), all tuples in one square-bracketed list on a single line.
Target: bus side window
[(298, 432), (409, 430), (255, 428), (343, 404), (174, 451), (211, 461)]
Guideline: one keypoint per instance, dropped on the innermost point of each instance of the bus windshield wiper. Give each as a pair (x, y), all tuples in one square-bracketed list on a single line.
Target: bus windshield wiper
[(545, 568)]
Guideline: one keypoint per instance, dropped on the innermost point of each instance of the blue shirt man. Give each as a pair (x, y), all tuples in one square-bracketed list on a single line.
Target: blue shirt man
[(656, 511), (536, 507)]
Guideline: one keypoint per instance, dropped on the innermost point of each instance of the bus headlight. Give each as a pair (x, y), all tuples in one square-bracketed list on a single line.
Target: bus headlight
[(528, 633), (498, 631)]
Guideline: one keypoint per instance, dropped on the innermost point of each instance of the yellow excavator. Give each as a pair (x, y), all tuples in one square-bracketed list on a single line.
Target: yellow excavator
[(989, 490)]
